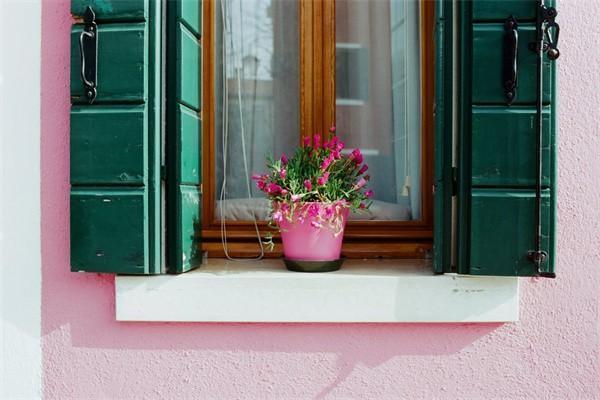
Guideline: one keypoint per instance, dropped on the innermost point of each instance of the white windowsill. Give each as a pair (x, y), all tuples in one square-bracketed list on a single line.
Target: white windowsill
[(362, 291)]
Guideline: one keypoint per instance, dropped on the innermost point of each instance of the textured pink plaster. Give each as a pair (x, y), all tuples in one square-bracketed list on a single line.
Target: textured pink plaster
[(551, 353)]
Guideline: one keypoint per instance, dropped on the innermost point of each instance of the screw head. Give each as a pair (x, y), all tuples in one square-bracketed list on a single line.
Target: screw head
[(553, 53)]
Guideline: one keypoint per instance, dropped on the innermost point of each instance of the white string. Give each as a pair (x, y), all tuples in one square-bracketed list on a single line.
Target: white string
[(225, 139)]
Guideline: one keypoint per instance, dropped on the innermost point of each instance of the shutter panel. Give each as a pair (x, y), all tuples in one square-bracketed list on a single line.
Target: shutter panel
[(184, 134), (115, 141), (442, 260), (497, 145)]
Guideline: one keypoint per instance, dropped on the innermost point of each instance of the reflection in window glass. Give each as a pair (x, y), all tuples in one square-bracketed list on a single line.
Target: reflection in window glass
[(378, 98), (257, 68)]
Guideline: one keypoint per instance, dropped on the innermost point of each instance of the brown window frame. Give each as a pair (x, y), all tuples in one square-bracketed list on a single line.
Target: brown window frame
[(362, 239)]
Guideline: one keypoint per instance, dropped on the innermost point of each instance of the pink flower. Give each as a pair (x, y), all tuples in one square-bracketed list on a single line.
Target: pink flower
[(296, 197), (317, 140), (323, 179), (277, 216), (328, 212), (369, 194), (256, 177), (273, 188), (307, 184), (333, 143), (306, 141), (363, 169), (284, 192), (284, 159), (313, 210), (332, 129), (361, 182), (282, 173), (362, 206), (326, 162), (261, 185), (336, 154), (357, 156)]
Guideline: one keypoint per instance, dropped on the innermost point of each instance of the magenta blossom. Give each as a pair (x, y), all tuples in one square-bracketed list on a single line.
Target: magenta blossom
[(261, 185), (363, 169), (369, 194), (327, 162), (278, 216), (284, 159), (323, 179), (328, 212), (332, 129), (361, 182), (313, 210), (362, 206), (296, 197), (256, 177), (306, 141), (317, 141), (273, 188), (282, 173), (307, 184), (357, 156)]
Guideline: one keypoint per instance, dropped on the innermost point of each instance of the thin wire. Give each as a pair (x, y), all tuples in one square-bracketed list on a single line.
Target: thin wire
[(225, 139)]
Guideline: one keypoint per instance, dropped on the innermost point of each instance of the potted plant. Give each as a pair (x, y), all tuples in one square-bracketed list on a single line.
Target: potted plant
[(311, 195)]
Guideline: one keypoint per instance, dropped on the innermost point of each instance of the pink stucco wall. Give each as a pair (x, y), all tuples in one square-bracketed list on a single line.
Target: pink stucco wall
[(553, 352)]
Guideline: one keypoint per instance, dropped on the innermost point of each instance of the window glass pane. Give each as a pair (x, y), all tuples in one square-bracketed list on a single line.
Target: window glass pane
[(257, 69), (378, 76)]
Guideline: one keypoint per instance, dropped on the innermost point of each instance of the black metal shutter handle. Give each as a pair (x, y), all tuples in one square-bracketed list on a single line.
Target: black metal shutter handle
[(88, 48), (510, 67)]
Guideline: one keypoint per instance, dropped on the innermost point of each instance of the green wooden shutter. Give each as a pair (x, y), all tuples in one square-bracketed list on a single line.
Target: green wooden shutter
[(497, 145), (184, 134), (115, 141)]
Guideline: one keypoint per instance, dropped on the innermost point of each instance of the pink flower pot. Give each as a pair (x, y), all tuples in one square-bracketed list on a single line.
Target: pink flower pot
[(302, 240)]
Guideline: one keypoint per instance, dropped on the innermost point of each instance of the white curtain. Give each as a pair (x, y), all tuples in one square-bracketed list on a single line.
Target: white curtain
[(257, 89)]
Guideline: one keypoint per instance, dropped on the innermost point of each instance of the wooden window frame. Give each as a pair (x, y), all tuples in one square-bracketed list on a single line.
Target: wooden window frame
[(362, 239)]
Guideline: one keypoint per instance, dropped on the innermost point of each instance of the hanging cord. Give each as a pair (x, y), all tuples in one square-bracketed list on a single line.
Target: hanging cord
[(225, 140)]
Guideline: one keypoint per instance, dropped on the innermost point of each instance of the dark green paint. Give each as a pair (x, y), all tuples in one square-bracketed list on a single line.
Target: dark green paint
[(108, 230), (112, 10), (496, 153), (122, 64), (501, 231), (184, 136), (485, 10), (442, 261), (108, 145), (487, 66), (501, 146), (115, 145)]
